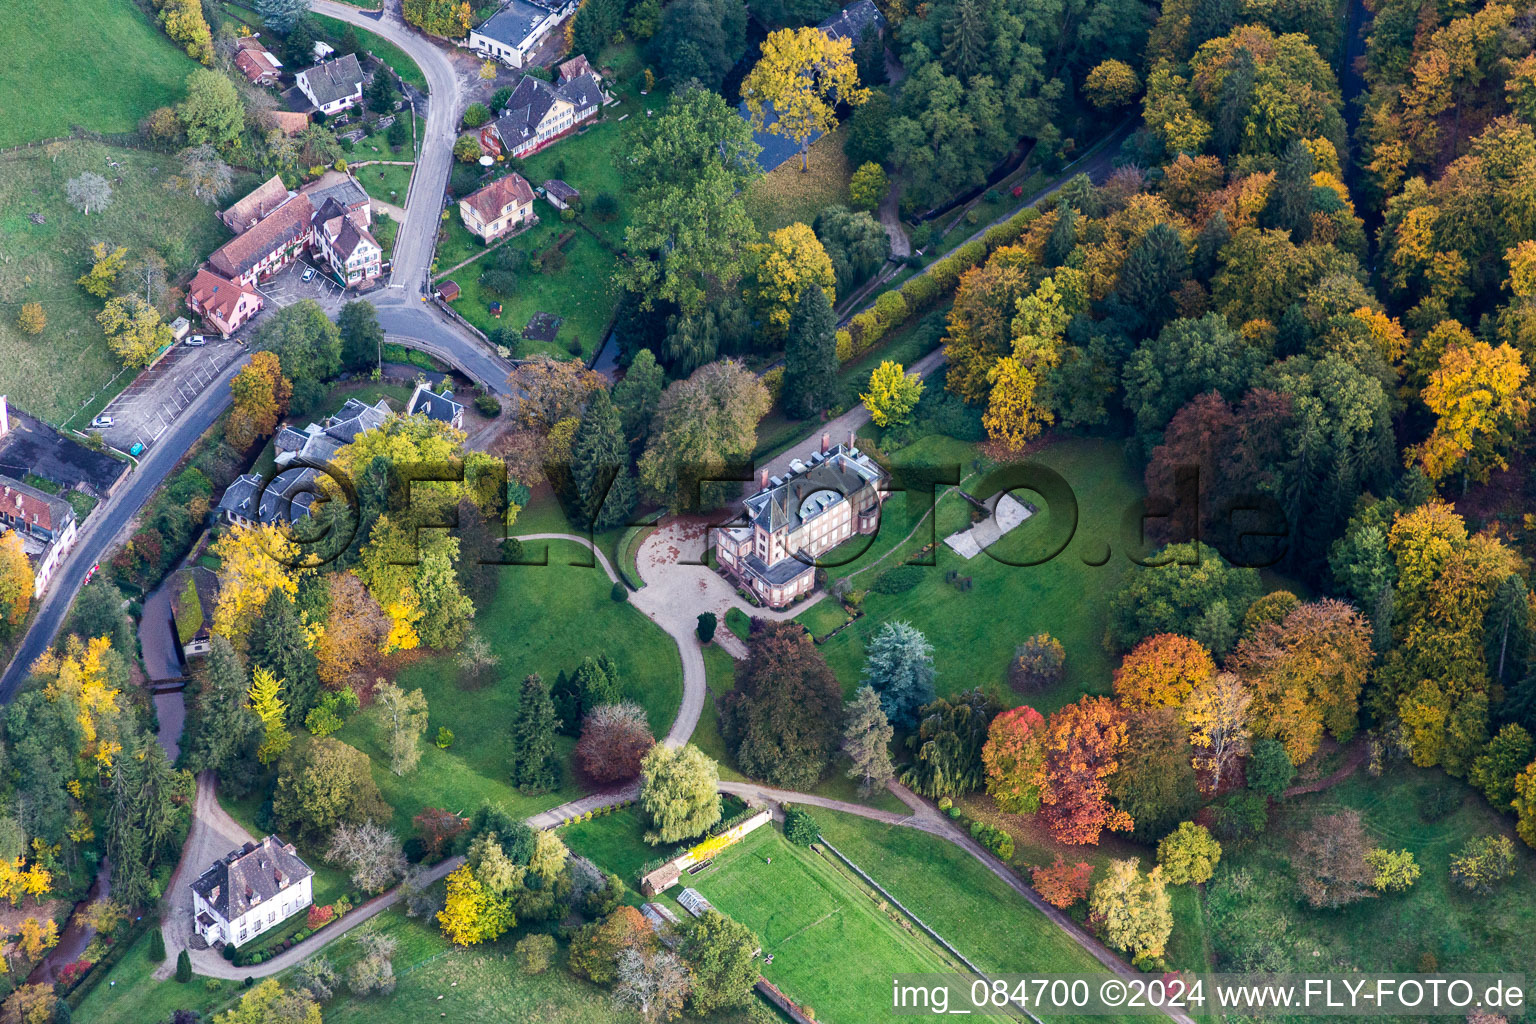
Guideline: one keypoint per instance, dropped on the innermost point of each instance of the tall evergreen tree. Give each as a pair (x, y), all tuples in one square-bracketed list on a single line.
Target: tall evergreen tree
[(810, 355), (899, 667), (226, 731), (358, 321), (637, 396), (867, 741), (533, 766), (965, 38), (277, 645), (1153, 272), (1290, 195), (1232, 104), (146, 797), (1063, 237), (601, 478)]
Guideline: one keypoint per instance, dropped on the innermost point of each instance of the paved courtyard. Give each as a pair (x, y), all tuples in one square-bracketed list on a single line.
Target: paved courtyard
[(1007, 513)]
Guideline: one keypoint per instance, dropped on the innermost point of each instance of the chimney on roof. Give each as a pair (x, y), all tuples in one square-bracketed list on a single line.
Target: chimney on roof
[(213, 897), (826, 441), (851, 438), (762, 480)]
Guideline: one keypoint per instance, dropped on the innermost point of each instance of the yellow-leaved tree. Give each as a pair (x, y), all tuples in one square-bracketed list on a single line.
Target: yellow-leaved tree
[(101, 279), (81, 676), (782, 268), (795, 88), (16, 580), (892, 394), (134, 330), (256, 561), (267, 701), (1016, 410), (1478, 396)]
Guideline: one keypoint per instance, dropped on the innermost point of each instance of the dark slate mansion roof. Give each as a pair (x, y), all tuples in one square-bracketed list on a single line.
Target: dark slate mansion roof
[(250, 875)]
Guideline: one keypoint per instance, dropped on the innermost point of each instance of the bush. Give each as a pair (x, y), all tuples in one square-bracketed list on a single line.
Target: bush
[(476, 114), (619, 593), (706, 627), (535, 953), (156, 945), (945, 803), (444, 737), (184, 965), (228, 952), (799, 827), (605, 207), (488, 406), (773, 380), (993, 838), (898, 580)]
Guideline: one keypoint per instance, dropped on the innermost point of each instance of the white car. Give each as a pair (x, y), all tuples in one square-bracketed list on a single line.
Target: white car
[(309, 274), (196, 341), (102, 421)]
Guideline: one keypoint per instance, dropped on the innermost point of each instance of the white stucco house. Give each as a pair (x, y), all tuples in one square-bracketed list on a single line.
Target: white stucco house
[(250, 891), (516, 30)]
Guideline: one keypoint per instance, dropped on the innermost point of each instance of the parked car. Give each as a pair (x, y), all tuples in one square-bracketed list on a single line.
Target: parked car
[(309, 274), (137, 449), (102, 421), (196, 341)]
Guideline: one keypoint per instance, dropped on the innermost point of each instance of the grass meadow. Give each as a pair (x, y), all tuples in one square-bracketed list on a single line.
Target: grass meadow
[(544, 619), (1258, 918), (974, 632), (834, 947), (99, 64), (52, 374)]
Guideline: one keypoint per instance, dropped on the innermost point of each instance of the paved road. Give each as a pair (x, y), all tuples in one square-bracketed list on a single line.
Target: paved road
[(108, 519), (424, 201)]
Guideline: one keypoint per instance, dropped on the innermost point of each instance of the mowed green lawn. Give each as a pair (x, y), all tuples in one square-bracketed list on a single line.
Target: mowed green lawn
[(100, 64), (385, 182), (582, 292), (51, 374), (833, 948), (974, 632), (544, 619)]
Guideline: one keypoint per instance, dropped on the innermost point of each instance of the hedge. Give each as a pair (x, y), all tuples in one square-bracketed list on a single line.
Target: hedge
[(898, 580), (892, 309)]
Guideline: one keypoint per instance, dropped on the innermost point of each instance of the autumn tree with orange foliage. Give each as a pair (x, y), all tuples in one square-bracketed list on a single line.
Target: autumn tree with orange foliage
[(1061, 884), (1082, 749), (1162, 671), (1306, 674), (1013, 756), (261, 394)]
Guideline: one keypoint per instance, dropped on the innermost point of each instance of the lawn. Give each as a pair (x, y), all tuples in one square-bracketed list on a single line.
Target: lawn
[(1437, 921), (974, 632), (976, 912), (104, 79), (53, 374), (787, 194), (543, 619), (385, 182), (582, 292), (834, 948)]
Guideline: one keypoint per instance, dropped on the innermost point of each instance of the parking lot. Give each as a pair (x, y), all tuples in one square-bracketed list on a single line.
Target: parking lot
[(154, 400), (148, 406), (289, 286)]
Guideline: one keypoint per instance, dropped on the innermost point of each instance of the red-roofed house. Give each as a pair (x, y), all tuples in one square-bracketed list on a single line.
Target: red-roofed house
[(224, 304), (502, 206), (257, 63), (275, 241)]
